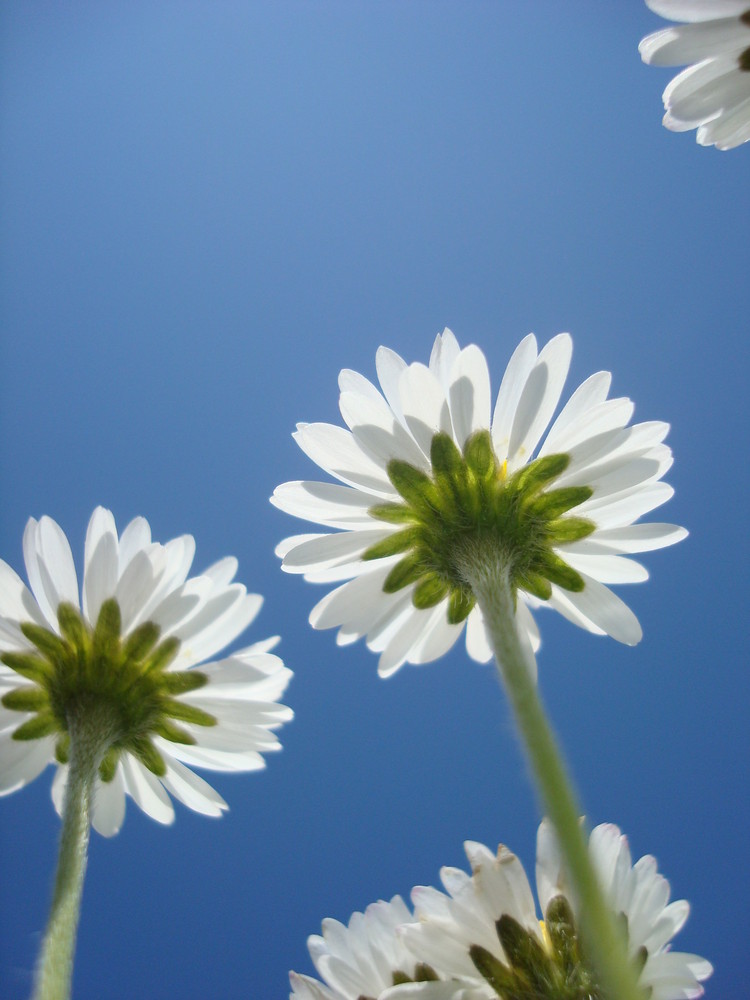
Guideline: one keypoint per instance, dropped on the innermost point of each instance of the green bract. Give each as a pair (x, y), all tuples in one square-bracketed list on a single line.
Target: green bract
[(470, 502), (122, 680)]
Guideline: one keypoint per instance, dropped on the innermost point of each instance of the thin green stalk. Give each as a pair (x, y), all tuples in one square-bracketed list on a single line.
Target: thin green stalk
[(89, 738), (607, 948)]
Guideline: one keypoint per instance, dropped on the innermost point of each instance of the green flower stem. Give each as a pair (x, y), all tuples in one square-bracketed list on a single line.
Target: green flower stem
[(492, 590), (90, 736)]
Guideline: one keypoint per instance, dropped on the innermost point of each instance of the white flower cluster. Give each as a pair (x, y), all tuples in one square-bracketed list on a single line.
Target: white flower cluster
[(390, 953)]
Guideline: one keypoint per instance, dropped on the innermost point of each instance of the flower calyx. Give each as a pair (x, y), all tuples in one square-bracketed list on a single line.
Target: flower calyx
[(121, 682), (471, 507)]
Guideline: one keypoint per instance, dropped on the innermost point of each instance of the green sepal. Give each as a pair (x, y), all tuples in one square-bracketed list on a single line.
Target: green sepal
[(187, 713), (414, 485), (30, 666), (535, 584), (553, 503), (479, 455), (560, 925), (407, 570), (399, 541), (26, 699), (570, 529), (148, 755), (182, 681), (393, 513), (141, 641), (460, 605), (557, 571), (500, 978), (445, 457), (525, 954), (62, 748), (72, 626), (534, 476), (430, 591), (175, 734), (48, 644), (399, 978), (43, 724), (106, 638), (639, 959), (424, 973), (108, 766), (163, 655)]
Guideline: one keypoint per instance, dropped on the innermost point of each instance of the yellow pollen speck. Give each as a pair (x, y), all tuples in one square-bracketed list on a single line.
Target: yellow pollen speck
[(502, 473), (545, 937)]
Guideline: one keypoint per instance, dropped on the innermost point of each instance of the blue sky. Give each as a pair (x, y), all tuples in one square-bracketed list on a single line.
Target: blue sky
[(208, 210)]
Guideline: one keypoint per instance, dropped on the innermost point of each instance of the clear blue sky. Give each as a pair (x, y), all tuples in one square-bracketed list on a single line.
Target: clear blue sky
[(208, 209)]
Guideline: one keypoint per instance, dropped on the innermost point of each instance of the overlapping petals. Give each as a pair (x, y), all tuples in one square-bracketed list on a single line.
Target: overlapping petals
[(622, 465), (713, 93), (359, 959), (205, 613), (482, 937)]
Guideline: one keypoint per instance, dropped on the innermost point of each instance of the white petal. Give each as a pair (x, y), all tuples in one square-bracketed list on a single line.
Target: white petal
[(22, 760), (605, 568), (697, 10), (325, 503), (108, 811), (469, 394), (514, 380), (424, 406), (192, 790), (445, 350), (335, 450), (589, 394), (477, 641), (691, 43), (389, 367), (146, 790), (16, 600), (135, 538), (539, 399), (377, 432), (605, 609)]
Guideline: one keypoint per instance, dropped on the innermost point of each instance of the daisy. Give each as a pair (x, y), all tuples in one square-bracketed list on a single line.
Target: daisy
[(127, 652), (713, 93), (484, 938), (361, 959), (441, 491), (104, 685)]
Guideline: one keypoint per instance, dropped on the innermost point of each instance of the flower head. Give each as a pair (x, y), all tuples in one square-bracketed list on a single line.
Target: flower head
[(433, 476), (125, 654), (482, 939), (713, 93), (361, 959)]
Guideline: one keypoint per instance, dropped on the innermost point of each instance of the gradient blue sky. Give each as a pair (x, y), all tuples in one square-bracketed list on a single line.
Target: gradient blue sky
[(208, 209)]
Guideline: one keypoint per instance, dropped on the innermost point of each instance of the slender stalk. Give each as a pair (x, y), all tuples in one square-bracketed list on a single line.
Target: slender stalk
[(608, 950), (89, 738)]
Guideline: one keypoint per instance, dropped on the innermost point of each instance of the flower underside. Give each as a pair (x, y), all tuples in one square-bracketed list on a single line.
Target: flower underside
[(471, 505), (123, 681), (554, 970)]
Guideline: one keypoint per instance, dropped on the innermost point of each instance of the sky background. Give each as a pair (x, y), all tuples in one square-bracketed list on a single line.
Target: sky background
[(208, 210)]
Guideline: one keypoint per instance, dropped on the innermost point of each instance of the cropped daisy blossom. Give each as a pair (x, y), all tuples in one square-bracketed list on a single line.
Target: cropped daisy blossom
[(482, 939), (486, 940), (713, 93), (122, 661), (361, 959), (435, 481)]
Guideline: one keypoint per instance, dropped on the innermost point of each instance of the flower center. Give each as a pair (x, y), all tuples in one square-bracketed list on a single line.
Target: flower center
[(556, 969), (469, 506), (123, 682)]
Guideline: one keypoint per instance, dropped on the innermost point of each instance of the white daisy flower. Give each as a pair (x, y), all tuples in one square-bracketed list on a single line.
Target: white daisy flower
[(485, 941), (359, 960), (713, 93), (434, 477), (127, 653)]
